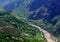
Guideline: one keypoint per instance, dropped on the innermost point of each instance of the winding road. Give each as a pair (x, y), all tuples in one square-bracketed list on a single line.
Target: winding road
[(47, 35)]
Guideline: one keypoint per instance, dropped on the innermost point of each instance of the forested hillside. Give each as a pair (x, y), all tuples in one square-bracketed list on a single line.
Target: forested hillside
[(13, 29), (16, 16)]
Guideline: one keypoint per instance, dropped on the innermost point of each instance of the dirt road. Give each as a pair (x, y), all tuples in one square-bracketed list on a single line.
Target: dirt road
[(47, 35)]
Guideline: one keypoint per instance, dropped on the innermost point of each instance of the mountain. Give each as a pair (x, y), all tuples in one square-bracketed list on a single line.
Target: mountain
[(48, 11), (10, 5), (13, 5), (13, 29), (44, 13)]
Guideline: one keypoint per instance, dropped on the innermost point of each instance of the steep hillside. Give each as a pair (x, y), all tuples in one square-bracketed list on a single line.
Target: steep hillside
[(47, 13), (13, 29), (42, 13)]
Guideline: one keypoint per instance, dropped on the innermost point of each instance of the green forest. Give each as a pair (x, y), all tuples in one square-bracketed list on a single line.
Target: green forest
[(13, 29)]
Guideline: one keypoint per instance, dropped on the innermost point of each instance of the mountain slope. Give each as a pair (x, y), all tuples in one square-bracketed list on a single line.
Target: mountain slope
[(13, 29), (48, 13)]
